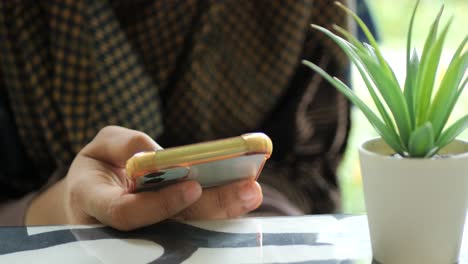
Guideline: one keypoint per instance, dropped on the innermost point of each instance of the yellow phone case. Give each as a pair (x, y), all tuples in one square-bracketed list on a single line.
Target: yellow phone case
[(211, 163)]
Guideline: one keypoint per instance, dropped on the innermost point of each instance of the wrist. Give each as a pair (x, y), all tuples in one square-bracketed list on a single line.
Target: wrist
[(47, 208)]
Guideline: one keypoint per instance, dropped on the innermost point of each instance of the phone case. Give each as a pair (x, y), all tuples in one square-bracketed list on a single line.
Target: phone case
[(210, 163)]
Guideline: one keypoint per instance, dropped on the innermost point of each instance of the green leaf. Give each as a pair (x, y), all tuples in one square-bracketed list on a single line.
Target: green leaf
[(368, 34), (462, 86), (427, 75), (411, 72), (452, 132), (412, 63), (350, 50), (393, 96), (413, 120), (448, 93), (408, 46), (432, 152), (428, 44), (379, 126), (356, 43), (421, 141), (386, 84)]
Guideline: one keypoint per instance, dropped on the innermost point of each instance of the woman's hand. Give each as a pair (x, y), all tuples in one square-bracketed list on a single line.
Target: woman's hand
[(94, 190)]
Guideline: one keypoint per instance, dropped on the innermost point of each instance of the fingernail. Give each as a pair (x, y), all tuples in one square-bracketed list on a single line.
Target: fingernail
[(192, 192)]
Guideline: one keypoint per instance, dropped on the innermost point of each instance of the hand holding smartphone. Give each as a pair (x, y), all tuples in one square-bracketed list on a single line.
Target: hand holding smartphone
[(210, 163)]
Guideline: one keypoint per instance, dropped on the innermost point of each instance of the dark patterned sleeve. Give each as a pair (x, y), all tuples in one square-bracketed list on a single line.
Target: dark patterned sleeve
[(309, 128), (14, 169)]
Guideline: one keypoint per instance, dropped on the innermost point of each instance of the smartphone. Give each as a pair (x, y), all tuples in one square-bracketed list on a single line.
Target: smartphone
[(211, 163)]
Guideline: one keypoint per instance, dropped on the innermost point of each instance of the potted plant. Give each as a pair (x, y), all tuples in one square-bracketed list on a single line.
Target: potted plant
[(415, 175)]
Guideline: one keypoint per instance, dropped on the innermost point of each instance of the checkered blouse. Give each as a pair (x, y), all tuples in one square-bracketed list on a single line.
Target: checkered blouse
[(182, 71)]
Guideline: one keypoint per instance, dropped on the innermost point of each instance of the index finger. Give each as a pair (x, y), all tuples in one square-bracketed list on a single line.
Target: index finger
[(115, 145)]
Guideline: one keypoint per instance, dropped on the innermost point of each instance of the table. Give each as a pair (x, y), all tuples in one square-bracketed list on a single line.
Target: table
[(315, 239)]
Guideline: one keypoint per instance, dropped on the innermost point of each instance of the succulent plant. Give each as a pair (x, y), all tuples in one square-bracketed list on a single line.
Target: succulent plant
[(411, 119)]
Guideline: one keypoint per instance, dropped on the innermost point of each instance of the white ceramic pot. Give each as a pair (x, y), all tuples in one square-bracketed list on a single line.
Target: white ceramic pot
[(416, 207)]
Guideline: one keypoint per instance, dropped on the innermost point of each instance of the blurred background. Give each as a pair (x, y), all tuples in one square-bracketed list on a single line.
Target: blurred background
[(392, 21)]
